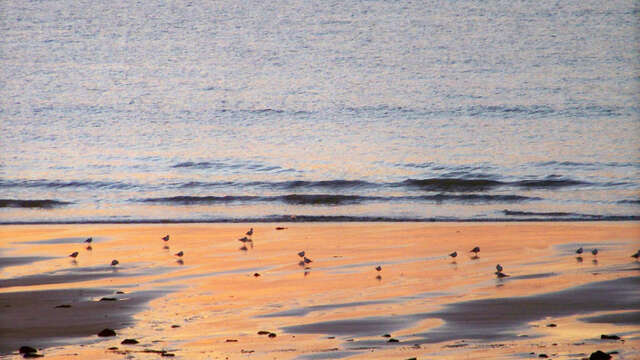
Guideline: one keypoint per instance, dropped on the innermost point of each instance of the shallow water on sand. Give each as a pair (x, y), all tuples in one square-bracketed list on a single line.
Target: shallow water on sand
[(347, 110), (212, 304)]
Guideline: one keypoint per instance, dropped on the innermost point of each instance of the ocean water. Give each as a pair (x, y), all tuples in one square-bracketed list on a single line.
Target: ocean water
[(339, 110)]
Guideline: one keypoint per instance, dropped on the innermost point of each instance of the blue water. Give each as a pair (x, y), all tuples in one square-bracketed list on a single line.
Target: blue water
[(349, 110)]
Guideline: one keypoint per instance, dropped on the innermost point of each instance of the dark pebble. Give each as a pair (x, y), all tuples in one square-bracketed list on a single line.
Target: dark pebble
[(175, 326), (599, 355), (543, 356), (129, 342), (107, 332), (256, 274), (393, 340), (231, 340), (167, 354), (108, 299), (272, 335), (263, 332), (27, 350), (609, 337), (386, 335), (32, 355), (119, 292), (552, 325), (63, 306), (113, 348)]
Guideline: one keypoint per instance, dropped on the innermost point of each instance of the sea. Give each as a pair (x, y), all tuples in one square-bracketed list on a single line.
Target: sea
[(352, 110)]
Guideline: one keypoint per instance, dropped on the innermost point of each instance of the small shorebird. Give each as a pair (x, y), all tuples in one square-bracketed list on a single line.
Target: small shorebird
[(89, 240), (579, 251), (179, 254), (250, 232), (379, 268), (454, 254), (499, 268), (594, 252), (301, 253), (307, 260), (74, 254), (114, 262), (166, 238), (501, 275), (636, 255), (244, 240), (475, 250)]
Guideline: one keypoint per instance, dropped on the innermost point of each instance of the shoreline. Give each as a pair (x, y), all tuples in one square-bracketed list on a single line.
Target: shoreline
[(338, 306)]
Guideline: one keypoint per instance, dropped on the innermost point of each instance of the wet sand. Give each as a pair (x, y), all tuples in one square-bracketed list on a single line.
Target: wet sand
[(209, 303)]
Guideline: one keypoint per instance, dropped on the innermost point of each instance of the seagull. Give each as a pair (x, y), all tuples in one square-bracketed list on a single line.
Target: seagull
[(579, 251), (475, 250), (499, 268), (114, 262), (89, 240), (454, 254), (594, 252), (307, 260), (179, 254), (636, 255), (74, 254), (250, 232), (301, 253), (379, 268), (166, 238)]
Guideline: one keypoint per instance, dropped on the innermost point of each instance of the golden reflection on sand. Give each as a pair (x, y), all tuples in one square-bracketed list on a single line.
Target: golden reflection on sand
[(214, 305)]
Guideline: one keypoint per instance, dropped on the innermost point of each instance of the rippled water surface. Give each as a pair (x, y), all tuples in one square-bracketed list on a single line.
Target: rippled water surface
[(120, 111)]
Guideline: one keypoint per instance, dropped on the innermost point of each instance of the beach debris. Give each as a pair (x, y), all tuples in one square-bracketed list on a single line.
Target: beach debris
[(579, 251), (27, 350), (107, 332), (609, 337), (454, 254), (231, 340), (378, 268), (175, 326), (250, 232), (63, 306), (636, 255), (179, 254), (386, 335), (89, 240), (166, 238), (543, 356), (129, 342), (280, 228), (301, 253), (599, 355), (108, 299), (552, 325), (256, 274), (499, 268), (594, 252), (114, 262), (74, 254), (264, 332), (272, 335), (393, 340)]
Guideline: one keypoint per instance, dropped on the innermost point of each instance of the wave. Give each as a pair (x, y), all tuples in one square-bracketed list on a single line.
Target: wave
[(57, 184), (629, 201), (335, 199), (555, 214), (219, 165), (548, 183), (452, 184), (44, 203)]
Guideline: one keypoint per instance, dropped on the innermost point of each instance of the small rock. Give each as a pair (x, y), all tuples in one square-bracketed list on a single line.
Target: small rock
[(119, 292), (231, 340), (263, 332), (107, 332), (27, 350), (113, 348), (392, 340), (543, 356), (129, 342), (609, 337), (599, 355), (166, 354), (272, 335), (552, 325), (386, 335), (108, 299), (32, 355), (256, 274), (175, 326), (63, 306)]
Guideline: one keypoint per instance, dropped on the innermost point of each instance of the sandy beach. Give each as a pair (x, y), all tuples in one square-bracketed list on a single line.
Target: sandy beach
[(212, 302)]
